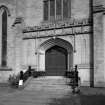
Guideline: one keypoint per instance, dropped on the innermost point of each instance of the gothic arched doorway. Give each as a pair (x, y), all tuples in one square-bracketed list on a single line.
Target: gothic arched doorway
[(56, 61), (55, 57)]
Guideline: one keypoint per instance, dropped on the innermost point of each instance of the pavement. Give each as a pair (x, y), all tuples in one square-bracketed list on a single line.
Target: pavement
[(59, 94)]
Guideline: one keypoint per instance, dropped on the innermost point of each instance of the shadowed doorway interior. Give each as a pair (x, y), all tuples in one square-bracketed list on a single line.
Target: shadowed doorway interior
[(56, 61)]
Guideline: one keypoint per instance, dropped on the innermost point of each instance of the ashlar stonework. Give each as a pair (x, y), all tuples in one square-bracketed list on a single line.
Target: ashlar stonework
[(76, 40)]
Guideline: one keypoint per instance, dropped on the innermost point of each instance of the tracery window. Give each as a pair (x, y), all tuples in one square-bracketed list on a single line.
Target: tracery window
[(56, 9)]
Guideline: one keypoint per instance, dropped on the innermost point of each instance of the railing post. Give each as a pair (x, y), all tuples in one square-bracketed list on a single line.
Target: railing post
[(76, 80), (21, 79), (29, 71)]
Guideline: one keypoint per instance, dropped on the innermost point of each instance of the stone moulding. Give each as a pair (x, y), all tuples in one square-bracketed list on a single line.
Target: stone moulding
[(98, 8), (58, 25), (18, 20), (53, 35)]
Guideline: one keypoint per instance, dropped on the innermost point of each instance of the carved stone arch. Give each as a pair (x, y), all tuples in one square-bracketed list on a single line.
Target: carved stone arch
[(51, 43), (3, 7), (58, 41)]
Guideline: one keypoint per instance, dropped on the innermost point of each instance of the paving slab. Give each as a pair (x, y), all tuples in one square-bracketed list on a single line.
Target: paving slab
[(39, 91), (52, 96)]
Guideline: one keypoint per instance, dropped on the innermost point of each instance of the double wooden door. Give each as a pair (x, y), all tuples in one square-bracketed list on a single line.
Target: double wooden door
[(56, 61)]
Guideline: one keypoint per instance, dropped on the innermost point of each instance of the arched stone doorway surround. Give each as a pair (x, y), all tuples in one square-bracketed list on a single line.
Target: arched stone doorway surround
[(55, 42)]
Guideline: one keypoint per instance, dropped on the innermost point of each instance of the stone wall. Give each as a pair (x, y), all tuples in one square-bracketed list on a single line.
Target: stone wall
[(22, 53), (99, 60), (79, 8), (5, 72), (35, 17), (33, 13), (14, 38)]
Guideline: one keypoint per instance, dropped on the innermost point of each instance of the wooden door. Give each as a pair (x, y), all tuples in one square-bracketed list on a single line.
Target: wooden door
[(56, 61)]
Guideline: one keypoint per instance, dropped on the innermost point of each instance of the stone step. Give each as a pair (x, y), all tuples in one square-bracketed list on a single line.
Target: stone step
[(47, 88), (50, 83), (47, 83), (49, 80)]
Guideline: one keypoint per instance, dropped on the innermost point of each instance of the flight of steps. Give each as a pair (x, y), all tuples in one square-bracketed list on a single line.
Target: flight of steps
[(48, 83)]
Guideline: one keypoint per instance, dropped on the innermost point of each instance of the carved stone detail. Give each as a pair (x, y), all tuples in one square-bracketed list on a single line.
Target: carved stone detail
[(58, 25)]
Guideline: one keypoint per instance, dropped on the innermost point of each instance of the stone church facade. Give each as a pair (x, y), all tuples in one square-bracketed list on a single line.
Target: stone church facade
[(52, 36)]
